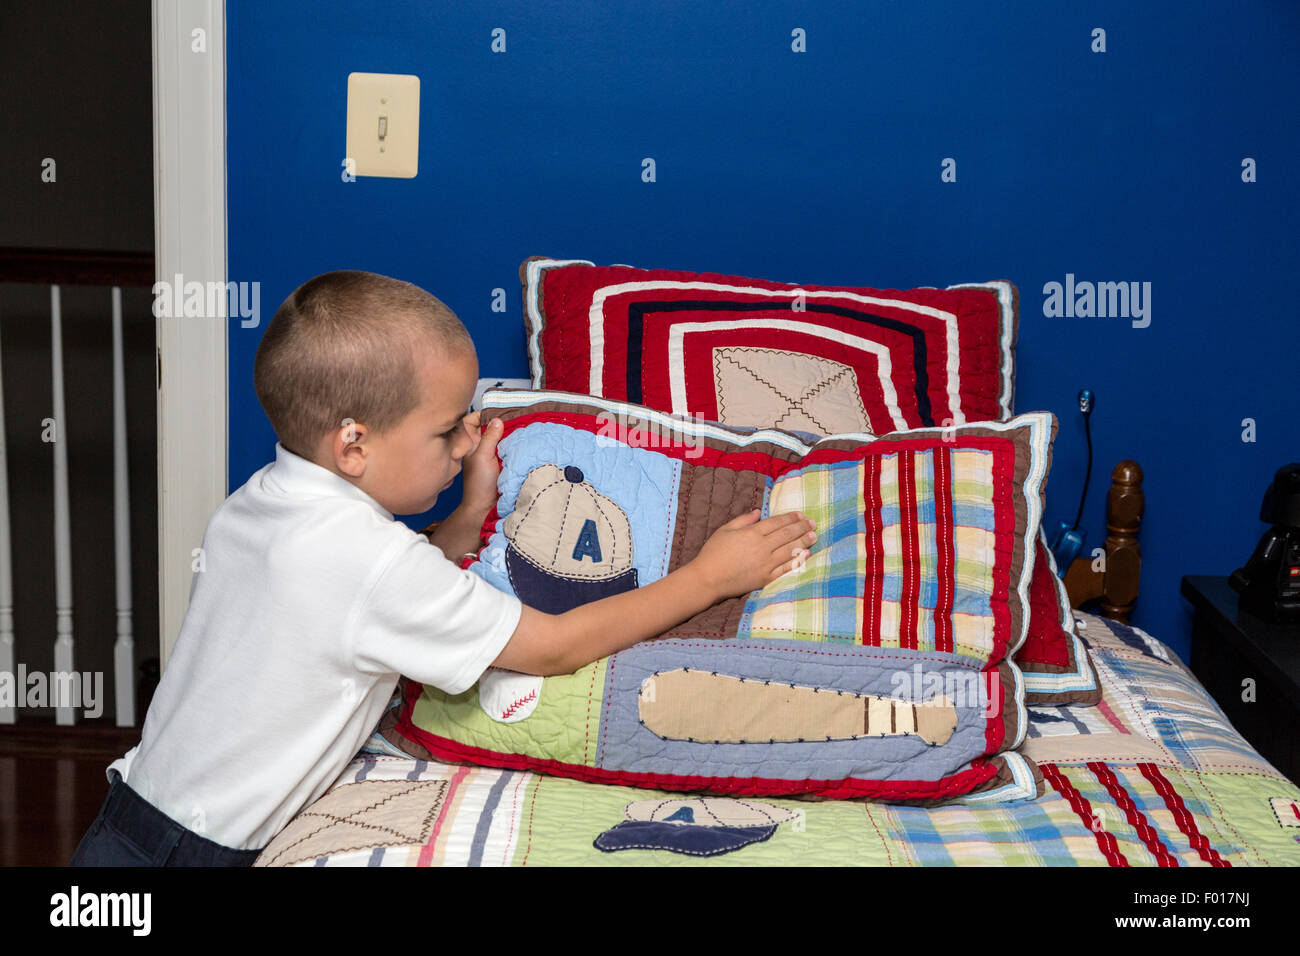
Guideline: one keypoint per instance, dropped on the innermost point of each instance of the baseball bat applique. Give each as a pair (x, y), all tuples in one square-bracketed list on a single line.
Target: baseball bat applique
[(706, 707)]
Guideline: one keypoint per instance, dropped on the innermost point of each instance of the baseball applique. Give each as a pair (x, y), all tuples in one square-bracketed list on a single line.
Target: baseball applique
[(706, 706), (508, 696)]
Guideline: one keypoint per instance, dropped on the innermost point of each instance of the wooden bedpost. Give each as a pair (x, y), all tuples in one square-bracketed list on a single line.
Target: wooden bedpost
[(1116, 584)]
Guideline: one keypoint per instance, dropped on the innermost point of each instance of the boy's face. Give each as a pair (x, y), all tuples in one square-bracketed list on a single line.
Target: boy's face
[(407, 467)]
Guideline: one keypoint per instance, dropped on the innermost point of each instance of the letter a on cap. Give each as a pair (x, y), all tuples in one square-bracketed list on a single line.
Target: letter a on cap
[(588, 544)]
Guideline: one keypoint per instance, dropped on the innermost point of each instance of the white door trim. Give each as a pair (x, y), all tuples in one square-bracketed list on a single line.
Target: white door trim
[(189, 122)]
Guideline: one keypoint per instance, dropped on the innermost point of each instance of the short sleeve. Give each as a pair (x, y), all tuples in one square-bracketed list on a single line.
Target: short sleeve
[(432, 621)]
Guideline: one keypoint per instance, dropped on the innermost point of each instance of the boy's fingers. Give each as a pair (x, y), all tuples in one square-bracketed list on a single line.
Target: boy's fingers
[(489, 437), (798, 531), (779, 523), (797, 561), (797, 553), (741, 521), (472, 421)]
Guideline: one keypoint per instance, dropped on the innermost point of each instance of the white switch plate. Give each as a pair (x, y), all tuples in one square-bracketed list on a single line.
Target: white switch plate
[(384, 124)]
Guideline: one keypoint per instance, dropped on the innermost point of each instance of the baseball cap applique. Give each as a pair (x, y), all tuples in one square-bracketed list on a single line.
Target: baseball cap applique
[(568, 544)]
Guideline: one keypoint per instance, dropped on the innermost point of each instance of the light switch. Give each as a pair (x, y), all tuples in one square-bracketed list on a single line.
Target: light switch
[(384, 124)]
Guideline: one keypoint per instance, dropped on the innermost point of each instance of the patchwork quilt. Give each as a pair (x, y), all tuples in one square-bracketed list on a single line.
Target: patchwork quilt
[(877, 668), (1153, 775)]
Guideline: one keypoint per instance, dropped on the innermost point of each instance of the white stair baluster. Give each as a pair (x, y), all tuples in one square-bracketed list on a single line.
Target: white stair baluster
[(124, 646), (63, 644)]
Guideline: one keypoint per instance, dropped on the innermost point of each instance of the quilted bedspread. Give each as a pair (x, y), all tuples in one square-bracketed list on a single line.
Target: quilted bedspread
[(1154, 775)]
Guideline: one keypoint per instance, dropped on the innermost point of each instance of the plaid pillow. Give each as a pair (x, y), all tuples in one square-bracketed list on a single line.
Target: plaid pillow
[(877, 669)]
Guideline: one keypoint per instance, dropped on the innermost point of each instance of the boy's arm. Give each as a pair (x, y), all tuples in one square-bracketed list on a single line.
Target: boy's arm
[(458, 533), (743, 555)]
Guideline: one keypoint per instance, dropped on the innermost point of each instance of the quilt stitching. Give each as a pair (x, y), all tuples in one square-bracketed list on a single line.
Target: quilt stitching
[(889, 856), (537, 497), (1275, 804), (792, 404), (668, 532), (1185, 819), (609, 703), (564, 521), (1174, 730), (719, 393), (1138, 718), (532, 808), (912, 710), (679, 532), (349, 819), (514, 813), (1135, 817), (1219, 820), (591, 696), (1106, 842), (1109, 683), (553, 572)]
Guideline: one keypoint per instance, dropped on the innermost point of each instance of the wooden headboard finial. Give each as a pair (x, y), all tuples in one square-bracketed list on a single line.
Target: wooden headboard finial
[(1116, 585), (1125, 504)]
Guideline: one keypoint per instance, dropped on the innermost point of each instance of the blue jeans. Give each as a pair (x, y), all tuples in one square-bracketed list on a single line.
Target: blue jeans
[(130, 831)]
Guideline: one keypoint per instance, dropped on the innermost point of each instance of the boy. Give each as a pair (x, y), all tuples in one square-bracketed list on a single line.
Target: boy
[(312, 599)]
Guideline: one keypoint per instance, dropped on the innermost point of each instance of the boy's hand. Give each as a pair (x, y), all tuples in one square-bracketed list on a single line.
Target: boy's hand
[(741, 556), (480, 467), (745, 554)]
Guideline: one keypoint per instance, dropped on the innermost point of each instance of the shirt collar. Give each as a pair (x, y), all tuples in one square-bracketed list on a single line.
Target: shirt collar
[(294, 475)]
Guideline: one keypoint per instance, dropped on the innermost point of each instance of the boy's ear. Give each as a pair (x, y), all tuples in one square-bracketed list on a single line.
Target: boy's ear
[(348, 448)]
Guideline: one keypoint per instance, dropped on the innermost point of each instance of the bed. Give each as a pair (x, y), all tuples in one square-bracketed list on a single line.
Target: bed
[(1139, 768), (1153, 775)]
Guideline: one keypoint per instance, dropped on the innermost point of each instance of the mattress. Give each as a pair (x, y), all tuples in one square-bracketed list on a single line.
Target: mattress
[(1153, 775)]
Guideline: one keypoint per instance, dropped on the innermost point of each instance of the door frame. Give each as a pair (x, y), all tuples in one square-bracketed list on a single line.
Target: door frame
[(189, 124)]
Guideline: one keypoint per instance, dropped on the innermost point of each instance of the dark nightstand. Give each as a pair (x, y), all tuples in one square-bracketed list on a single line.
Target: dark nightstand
[(1230, 645)]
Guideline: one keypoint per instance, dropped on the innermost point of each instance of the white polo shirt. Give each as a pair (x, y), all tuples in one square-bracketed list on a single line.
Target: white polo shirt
[(310, 601)]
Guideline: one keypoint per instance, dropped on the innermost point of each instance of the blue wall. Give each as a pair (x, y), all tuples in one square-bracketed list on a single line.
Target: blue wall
[(824, 167)]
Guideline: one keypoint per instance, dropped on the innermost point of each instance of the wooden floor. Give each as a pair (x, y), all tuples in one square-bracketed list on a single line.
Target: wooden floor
[(52, 784)]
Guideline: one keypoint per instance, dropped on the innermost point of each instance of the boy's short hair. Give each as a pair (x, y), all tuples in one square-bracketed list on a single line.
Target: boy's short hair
[(343, 345)]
